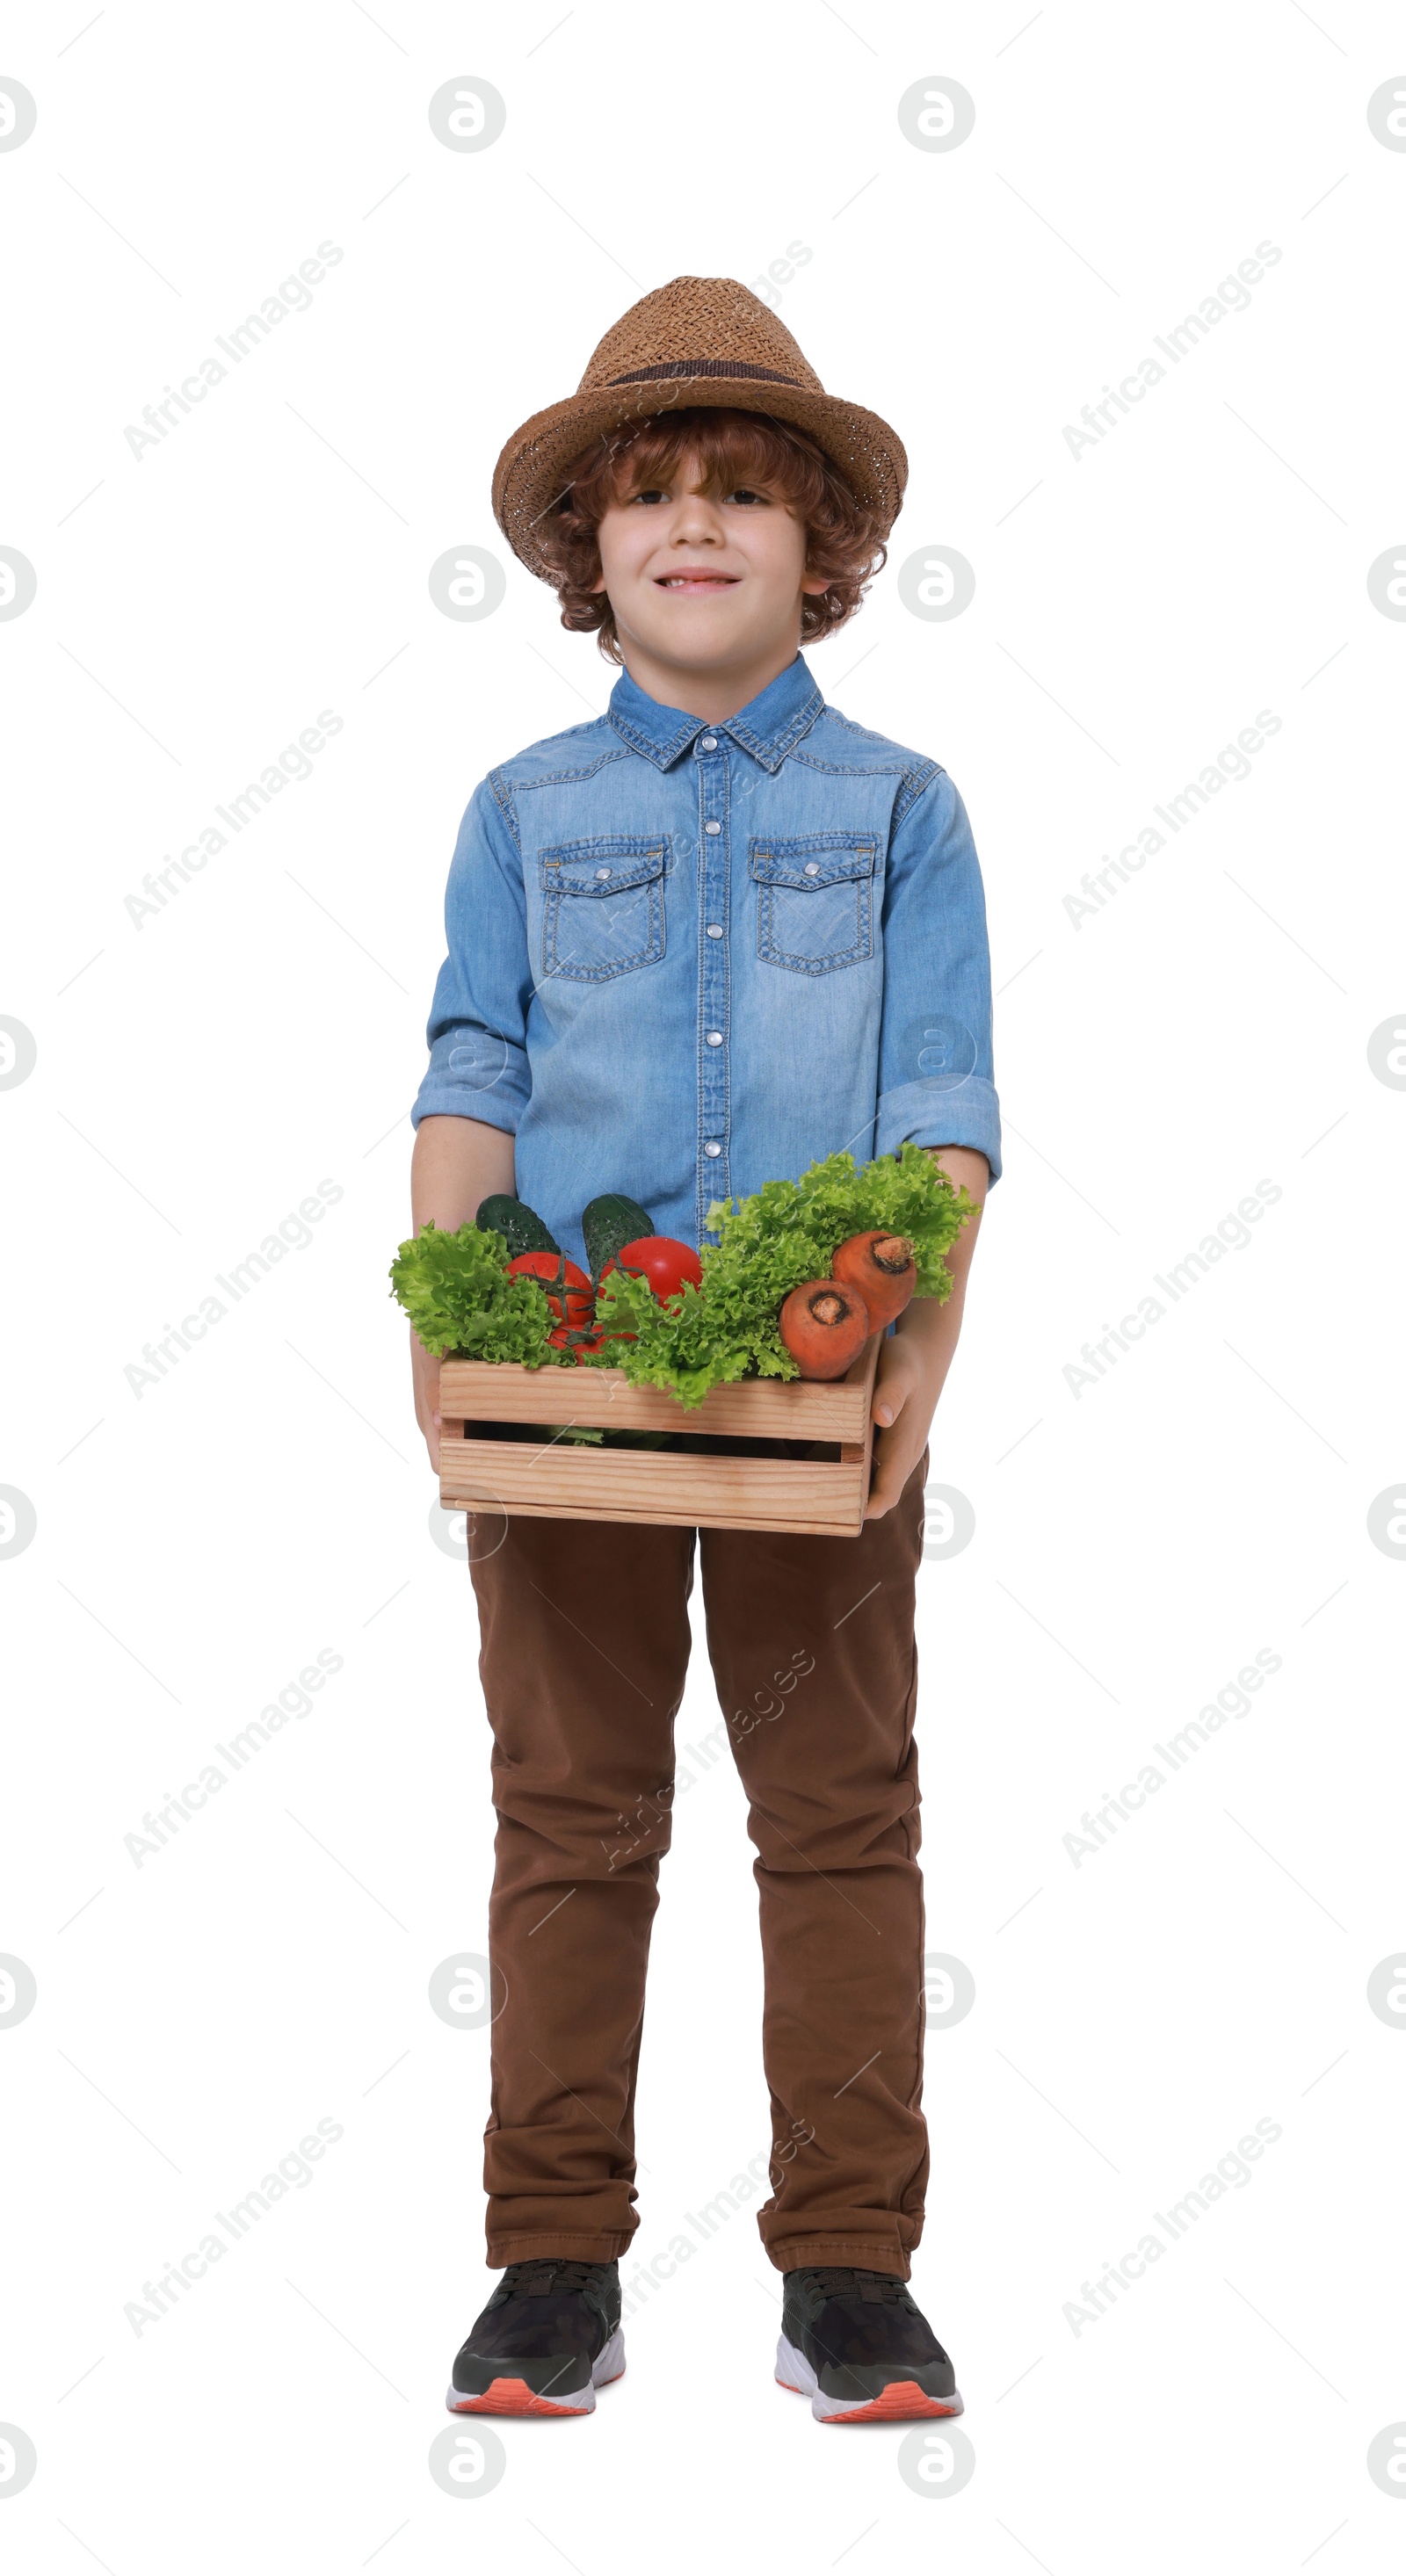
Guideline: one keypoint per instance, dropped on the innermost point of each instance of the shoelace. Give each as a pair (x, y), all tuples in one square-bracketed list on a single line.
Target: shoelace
[(836, 2281), (540, 2276)]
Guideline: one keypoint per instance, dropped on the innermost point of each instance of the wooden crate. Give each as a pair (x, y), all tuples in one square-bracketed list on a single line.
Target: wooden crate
[(562, 1480)]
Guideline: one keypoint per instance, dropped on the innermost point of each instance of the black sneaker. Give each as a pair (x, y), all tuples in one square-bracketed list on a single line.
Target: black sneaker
[(858, 2347), (547, 2340)]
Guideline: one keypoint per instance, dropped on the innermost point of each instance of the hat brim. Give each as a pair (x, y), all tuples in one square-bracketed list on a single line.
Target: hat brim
[(530, 474)]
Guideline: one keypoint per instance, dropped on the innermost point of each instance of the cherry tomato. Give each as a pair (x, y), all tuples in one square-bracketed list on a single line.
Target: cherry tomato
[(666, 1264), (569, 1291)]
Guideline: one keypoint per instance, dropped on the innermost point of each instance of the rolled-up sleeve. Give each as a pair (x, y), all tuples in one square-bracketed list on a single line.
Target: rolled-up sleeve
[(936, 1082), (477, 1029)]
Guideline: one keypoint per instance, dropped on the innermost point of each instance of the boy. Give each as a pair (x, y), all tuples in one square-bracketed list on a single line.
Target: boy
[(694, 945)]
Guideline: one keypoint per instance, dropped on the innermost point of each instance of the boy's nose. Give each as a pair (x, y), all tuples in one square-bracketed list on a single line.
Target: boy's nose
[(698, 522)]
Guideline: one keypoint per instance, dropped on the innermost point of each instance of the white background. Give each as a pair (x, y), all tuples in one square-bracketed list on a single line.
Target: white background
[(1135, 1545)]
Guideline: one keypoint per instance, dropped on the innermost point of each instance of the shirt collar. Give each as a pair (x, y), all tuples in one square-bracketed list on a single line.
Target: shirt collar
[(768, 727)]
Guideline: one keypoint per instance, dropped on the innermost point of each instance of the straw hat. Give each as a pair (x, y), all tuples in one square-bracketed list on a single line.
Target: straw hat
[(697, 340)]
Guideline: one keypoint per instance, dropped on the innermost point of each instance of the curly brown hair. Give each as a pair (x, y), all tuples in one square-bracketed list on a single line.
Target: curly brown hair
[(734, 450)]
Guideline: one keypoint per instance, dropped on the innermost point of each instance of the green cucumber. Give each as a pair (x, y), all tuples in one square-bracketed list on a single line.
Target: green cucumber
[(519, 1226), (610, 1222)]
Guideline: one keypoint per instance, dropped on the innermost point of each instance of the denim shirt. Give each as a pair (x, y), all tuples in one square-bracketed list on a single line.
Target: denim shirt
[(688, 958)]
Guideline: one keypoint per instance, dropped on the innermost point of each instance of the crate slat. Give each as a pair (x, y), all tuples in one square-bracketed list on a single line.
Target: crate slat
[(761, 1408), (821, 1499)]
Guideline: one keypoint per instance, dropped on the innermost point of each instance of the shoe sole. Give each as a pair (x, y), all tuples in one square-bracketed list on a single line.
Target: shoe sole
[(514, 2397), (898, 2403)]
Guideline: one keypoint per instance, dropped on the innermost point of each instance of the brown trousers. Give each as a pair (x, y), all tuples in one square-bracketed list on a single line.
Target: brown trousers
[(585, 1642)]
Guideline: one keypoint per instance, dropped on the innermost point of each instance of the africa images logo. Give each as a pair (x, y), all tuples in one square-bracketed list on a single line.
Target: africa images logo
[(1231, 296), (294, 296)]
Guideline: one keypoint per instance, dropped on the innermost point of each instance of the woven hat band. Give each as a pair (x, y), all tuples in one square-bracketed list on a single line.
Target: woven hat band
[(684, 367)]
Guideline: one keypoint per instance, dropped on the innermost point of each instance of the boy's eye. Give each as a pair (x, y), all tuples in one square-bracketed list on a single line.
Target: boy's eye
[(650, 496), (753, 500)]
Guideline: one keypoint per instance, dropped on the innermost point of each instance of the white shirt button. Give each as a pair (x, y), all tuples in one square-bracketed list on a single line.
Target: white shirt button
[(712, 827), (715, 930), (711, 1150), (710, 742), (812, 868), (601, 874), (715, 1037)]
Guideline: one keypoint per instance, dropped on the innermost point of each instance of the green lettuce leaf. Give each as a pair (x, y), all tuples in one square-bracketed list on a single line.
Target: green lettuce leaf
[(457, 1293)]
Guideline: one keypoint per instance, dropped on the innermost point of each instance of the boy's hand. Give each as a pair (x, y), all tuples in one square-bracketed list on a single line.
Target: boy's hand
[(906, 1388), (424, 1370), (914, 1359), (457, 1163)]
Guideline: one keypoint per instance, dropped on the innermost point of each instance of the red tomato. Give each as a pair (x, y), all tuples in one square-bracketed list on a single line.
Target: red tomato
[(607, 1333), (567, 1337), (569, 1291), (664, 1263)]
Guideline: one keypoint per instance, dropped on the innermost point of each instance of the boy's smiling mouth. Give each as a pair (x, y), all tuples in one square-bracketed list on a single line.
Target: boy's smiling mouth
[(695, 581)]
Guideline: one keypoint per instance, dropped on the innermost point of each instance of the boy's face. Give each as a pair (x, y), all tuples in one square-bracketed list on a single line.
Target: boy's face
[(704, 583)]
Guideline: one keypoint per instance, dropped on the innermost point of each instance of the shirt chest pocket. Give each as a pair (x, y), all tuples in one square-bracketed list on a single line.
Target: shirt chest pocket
[(602, 907), (815, 900)]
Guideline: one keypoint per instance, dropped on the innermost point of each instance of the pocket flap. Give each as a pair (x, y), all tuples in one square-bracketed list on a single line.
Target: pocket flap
[(819, 859), (601, 867)]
